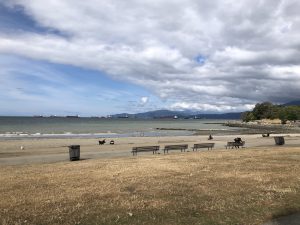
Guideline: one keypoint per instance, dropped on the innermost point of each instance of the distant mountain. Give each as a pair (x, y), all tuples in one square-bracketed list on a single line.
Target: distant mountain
[(229, 116), (164, 114), (292, 103), (155, 114)]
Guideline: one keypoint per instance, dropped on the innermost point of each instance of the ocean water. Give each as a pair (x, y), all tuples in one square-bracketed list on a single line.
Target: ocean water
[(100, 127)]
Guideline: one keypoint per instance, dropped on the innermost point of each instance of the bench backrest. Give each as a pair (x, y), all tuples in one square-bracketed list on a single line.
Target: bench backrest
[(169, 147), (231, 143), (205, 145), (146, 148)]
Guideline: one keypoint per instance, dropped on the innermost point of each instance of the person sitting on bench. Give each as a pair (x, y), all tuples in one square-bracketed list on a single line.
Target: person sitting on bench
[(238, 140)]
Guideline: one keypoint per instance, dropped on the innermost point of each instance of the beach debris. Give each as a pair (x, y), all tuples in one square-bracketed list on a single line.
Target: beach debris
[(102, 142), (112, 142), (22, 147)]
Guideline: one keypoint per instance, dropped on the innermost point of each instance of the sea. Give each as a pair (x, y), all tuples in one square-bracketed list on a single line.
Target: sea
[(63, 127)]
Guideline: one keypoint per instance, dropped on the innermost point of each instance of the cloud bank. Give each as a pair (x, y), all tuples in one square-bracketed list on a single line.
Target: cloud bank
[(203, 55)]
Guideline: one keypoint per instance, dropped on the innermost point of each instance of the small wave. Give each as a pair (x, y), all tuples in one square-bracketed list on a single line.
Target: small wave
[(17, 134), (55, 135)]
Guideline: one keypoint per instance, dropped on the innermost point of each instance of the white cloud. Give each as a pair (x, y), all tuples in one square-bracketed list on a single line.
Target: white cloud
[(144, 100), (210, 107), (250, 48)]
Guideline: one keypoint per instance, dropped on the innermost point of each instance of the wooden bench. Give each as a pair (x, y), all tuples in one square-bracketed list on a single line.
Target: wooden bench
[(153, 149), (175, 147), (232, 144), (203, 145)]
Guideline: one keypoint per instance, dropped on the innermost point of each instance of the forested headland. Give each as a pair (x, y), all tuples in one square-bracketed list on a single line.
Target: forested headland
[(267, 110)]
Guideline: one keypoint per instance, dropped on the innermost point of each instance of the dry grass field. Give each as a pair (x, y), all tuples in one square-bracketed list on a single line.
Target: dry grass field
[(246, 186)]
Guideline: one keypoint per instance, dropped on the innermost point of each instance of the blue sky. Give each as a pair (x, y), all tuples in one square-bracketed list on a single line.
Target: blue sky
[(37, 87), (98, 57), (33, 87)]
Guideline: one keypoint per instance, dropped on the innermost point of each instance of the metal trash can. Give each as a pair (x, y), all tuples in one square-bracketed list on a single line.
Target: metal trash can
[(279, 140), (74, 152)]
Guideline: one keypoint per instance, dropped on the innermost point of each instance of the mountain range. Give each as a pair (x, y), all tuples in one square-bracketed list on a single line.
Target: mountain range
[(187, 114), (292, 103), (167, 114)]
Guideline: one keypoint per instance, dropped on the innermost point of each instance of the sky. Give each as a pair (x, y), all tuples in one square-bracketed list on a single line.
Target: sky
[(96, 57)]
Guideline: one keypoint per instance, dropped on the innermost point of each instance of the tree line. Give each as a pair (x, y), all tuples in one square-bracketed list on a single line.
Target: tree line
[(267, 110)]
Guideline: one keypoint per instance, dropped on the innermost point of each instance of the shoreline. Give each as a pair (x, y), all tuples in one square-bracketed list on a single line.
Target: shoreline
[(185, 132), (242, 128), (157, 132)]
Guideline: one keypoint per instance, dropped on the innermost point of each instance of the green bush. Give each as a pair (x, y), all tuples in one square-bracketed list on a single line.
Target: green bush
[(267, 110)]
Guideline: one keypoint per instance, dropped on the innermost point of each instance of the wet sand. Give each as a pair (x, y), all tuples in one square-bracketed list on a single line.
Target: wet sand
[(38, 151)]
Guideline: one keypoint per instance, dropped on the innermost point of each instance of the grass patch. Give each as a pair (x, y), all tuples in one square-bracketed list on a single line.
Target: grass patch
[(210, 187)]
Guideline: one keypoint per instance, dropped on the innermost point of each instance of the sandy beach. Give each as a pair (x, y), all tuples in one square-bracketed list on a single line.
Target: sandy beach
[(37, 151)]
